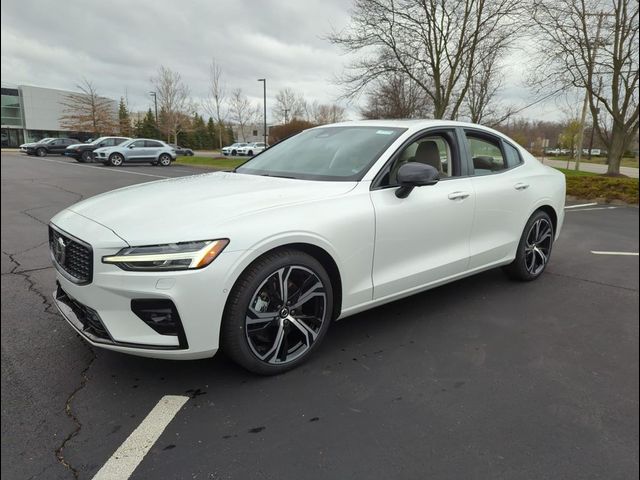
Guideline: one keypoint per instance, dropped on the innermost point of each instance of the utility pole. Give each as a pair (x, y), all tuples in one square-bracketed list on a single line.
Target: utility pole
[(585, 104), (264, 103)]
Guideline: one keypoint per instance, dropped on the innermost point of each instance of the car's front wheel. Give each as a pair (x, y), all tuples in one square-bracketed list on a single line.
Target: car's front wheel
[(115, 159), (250, 153), (87, 157), (234, 153), (164, 160), (277, 313), (534, 249)]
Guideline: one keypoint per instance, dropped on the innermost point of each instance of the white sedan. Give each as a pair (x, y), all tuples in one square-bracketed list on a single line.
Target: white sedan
[(331, 222)]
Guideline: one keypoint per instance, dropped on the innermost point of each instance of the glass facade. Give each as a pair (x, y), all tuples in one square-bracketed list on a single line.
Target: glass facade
[(11, 113), (11, 108)]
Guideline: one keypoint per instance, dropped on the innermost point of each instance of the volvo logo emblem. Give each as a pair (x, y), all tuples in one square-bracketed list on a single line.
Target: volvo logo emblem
[(59, 250)]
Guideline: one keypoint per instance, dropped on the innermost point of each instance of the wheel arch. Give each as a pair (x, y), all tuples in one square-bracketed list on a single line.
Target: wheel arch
[(318, 253), (549, 210)]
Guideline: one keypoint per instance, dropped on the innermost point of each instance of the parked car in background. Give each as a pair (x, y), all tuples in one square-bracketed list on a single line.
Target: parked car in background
[(24, 146), (181, 150), (49, 146), (233, 149), (139, 150), (252, 149), (256, 261), (83, 152)]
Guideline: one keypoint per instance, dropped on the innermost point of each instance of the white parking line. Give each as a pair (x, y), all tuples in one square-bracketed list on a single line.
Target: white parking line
[(129, 455), (591, 209), (582, 205), (630, 254), (102, 169)]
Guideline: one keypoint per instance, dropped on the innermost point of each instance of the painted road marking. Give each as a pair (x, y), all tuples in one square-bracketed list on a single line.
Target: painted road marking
[(582, 205), (102, 169), (591, 209), (129, 455), (630, 254)]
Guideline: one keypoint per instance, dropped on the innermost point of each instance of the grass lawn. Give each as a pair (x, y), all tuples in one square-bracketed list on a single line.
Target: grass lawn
[(217, 163), (591, 186)]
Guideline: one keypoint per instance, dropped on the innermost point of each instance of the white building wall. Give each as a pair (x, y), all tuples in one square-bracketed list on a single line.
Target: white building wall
[(43, 107)]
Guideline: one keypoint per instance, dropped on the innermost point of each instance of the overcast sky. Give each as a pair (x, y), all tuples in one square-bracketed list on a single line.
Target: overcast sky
[(118, 45)]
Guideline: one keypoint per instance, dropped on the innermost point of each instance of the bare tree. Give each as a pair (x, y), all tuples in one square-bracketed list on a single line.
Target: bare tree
[(215, 103), (593, 45), (437, 44), (87, 111), (323, 113), (173, 100), (242, 112), (481, 104), (396, 96), (289, 105)]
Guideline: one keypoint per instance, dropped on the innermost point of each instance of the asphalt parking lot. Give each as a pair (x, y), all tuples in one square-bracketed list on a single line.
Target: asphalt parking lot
[(483, 378)]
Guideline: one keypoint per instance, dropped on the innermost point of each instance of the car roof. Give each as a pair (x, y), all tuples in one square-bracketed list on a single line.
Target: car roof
[(411, 124)]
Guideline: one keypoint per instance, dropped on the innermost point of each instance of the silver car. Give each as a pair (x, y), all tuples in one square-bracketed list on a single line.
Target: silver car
[(138, 150)]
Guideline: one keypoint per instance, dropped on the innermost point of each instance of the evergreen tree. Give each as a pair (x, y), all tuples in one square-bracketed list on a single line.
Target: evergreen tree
[(147, 128), (212, 135), (124, 119)]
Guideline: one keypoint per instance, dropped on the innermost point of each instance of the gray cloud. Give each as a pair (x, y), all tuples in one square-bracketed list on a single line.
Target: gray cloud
[(120, 44)]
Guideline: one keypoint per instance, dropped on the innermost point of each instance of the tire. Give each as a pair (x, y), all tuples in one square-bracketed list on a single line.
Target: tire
[(250, 153), (86, 157), (164, 160), (41, 152), (257, 298), (116, 160), (534, 248), (234, 153)]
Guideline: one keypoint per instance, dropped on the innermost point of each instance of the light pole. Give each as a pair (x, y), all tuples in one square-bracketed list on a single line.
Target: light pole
[(264, 103), (155, 104)]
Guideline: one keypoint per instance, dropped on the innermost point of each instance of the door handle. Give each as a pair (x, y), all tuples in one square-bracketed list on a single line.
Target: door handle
[(458, 195), (521, 186)]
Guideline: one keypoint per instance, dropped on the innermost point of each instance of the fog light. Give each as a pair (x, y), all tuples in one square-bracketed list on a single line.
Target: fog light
[(161, 315)]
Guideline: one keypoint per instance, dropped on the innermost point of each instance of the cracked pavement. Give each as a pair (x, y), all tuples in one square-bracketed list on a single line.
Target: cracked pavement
[(483, 378)]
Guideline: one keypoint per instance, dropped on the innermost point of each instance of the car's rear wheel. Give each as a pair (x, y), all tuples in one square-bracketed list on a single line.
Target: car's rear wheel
[(277, 313), (86, 157), (115, 159), (164, 160), (534, 249), (41, 152)]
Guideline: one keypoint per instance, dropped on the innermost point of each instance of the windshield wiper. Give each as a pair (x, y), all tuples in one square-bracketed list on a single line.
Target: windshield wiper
[(276, 176)]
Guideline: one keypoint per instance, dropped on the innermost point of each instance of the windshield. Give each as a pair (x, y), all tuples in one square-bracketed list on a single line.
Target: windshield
[(97, 141), (329, 153)]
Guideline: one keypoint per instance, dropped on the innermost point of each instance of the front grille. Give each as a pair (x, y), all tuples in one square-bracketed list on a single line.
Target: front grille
[(92, 325), (73, 257)]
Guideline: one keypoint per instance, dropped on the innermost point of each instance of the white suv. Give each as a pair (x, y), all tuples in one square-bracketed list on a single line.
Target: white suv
[(233, 149), (252, 149)]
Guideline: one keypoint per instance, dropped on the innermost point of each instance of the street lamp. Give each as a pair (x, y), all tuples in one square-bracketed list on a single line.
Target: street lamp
[(264, 103), (155, 104)]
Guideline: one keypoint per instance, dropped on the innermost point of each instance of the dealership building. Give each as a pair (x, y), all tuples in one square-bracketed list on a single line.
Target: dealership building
[(31, 113)]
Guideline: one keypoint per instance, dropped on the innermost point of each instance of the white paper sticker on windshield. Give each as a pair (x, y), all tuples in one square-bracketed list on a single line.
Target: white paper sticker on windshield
[(384, 132)]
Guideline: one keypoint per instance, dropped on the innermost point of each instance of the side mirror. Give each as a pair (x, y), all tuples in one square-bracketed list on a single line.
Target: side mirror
[(414, 174), (131, 146)]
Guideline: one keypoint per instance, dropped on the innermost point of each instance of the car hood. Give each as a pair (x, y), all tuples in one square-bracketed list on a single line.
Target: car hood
[(197, 207), (105, 149), (77, 145)]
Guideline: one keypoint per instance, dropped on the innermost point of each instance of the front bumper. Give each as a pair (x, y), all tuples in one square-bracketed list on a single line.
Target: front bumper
[(198, 296), (72, 154)]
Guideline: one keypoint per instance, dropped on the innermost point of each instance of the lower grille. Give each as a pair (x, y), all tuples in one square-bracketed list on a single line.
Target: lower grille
[(73, 257), (92, 326)]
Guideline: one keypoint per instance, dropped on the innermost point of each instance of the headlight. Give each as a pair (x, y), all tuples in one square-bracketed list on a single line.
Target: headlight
[(172, 256)]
